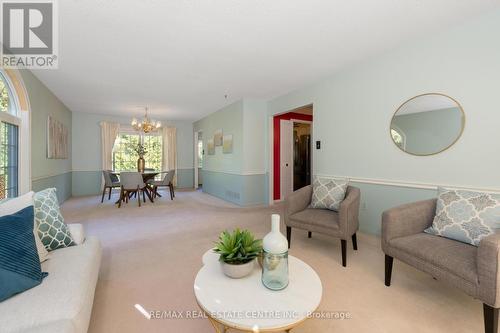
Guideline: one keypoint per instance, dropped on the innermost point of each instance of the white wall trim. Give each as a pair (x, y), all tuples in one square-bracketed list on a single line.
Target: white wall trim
[(412, 184), (34, 179), (99, 170), (256, 173)]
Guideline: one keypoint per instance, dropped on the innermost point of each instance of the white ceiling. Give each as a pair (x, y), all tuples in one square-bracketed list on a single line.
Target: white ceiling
[(181, 57)]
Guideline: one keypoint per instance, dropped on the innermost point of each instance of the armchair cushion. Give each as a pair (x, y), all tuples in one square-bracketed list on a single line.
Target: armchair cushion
[(322, 218), (466, 216), (445, 255), (328, 193)]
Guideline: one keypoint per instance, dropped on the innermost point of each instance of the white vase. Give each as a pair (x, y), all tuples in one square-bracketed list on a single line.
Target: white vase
[(238, 271), (274, 242)]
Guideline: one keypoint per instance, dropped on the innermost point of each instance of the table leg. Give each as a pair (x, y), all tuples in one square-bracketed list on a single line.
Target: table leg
[(219, 328), (147, 190)]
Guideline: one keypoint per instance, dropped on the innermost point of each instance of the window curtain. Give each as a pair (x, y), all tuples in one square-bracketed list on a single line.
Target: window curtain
[(109, 134), (169, 154)]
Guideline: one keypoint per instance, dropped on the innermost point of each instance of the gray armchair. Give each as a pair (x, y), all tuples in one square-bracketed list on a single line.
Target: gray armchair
[(474, 270), (342, 224)]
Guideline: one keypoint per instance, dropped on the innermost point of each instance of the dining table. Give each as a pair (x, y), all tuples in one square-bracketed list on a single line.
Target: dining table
[(146, 176)]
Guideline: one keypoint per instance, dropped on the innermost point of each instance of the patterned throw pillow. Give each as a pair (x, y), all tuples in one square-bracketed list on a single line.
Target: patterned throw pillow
[(465, 216), (328, 193), (52, 230)]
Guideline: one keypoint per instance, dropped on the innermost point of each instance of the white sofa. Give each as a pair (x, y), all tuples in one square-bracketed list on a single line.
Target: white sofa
[(63, 301)]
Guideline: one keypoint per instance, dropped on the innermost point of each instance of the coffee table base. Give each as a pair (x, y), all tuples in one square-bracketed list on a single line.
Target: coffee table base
[(220, 327)]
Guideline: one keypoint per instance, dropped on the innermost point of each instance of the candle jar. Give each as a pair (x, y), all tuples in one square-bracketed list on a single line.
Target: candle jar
[(275, 270)]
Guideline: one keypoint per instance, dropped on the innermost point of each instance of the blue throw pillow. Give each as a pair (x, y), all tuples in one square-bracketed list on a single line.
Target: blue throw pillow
[(20, 267)]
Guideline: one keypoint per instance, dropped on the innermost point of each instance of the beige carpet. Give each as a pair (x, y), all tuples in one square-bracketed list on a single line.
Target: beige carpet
[(151, 256)]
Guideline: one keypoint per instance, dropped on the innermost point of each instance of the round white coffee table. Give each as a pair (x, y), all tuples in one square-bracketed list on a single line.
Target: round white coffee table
[(246, 304)]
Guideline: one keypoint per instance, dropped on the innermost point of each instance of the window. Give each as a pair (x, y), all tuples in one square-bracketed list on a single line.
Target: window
[(200, 153), (153, 145), (9, 143), (4, 96), (125, 156), (9, 168)]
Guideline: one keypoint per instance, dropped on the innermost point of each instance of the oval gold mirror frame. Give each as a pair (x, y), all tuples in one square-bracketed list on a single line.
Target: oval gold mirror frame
[(459, 135)]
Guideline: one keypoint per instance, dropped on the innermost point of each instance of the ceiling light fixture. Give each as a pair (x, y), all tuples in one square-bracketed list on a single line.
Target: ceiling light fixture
[(146, 125)]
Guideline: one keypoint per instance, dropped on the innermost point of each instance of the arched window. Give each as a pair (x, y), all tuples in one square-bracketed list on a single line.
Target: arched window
[(10, 123)]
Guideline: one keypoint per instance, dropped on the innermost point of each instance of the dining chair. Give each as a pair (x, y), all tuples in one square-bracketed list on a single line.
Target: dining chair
[(111, 181), (167, 181), (132, 183)]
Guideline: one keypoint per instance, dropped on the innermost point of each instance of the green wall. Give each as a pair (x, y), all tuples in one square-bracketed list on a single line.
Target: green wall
[(230, 120), (47, 172), (87, 166), (353, 110), (239, 177)]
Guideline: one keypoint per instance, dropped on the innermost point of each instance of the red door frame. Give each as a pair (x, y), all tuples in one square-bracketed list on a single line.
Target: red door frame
[(277, 147)]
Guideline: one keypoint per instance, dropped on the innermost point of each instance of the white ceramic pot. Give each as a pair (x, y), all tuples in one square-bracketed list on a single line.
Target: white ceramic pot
[(238, 271)]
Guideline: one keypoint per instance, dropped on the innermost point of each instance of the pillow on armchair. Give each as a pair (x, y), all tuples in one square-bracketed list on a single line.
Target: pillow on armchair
[(328, 193), (465, 216)]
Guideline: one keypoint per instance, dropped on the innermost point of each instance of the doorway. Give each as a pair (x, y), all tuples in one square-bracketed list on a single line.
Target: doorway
[(291, 154), (301, 155), (198, 159)]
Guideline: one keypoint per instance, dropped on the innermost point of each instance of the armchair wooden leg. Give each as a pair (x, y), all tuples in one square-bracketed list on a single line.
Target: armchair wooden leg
[(144, 195), (343, 245), (103, 194), (354, 242), (171, 191), (388, 270), (490, 319), (109, 196), (309, 234), (289, 235)]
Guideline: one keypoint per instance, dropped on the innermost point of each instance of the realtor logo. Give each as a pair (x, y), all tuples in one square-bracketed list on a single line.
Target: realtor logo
[(29, 34)]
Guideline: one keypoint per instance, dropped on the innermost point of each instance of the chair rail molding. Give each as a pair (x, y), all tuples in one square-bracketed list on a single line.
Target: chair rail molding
[(33, 179), (413, 184), (246, 173)]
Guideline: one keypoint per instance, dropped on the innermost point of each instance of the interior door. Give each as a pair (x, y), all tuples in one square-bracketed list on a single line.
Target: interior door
[(286, 157)]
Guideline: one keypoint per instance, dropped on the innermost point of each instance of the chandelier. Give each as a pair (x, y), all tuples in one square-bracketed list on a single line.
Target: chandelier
[(146, 125)]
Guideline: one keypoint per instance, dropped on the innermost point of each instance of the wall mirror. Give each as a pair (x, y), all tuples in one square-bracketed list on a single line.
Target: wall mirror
[(427, 124)]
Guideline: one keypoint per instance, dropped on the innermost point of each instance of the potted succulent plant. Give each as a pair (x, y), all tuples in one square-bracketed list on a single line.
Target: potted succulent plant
[(237, 251)]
